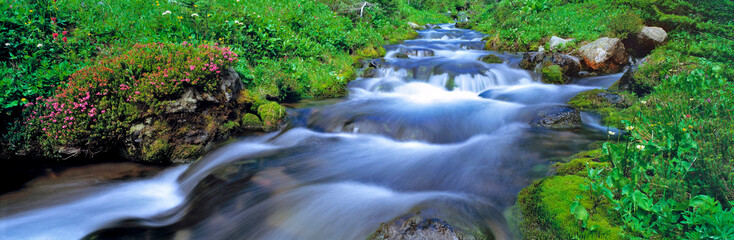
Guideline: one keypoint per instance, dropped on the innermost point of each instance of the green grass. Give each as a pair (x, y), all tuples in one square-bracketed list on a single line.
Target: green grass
[(514, 27), (672, 177)]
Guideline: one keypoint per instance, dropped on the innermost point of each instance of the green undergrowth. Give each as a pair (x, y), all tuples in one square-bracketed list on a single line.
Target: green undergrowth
[(672, 175), (287, 51), (516, 25)]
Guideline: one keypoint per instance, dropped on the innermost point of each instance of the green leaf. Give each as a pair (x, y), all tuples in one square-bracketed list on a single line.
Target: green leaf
[(641, 200)]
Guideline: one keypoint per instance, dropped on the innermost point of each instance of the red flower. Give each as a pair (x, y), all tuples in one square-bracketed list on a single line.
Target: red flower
[(63, 33), (688, 115), (53, 19), (55, 35), (63, 39)]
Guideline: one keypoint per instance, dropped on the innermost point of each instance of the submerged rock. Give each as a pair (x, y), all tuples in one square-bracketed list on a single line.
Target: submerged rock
[(606, 55), (414, 227), (557, 117), (491, 58), (431, 26)]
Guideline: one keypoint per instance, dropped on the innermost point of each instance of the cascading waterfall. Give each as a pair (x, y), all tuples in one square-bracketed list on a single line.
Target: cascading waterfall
[(439, 132)]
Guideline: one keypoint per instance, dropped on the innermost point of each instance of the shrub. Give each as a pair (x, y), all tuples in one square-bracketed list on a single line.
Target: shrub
[(99, 102)]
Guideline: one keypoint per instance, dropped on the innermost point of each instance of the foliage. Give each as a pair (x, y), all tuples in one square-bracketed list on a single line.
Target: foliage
[(99, 102), (523, 26), (553, 74)]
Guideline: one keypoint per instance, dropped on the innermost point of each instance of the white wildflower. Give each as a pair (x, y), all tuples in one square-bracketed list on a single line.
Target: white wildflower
[(611, 132), (194, 15), (629, 128), (39, 45), (7, 44), (226, 21), (166, 12), (643, 102), (640, 147)]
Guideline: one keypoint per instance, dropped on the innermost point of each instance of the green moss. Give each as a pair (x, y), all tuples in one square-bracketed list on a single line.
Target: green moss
[(577, 166), (545, 207), (612, 113), (158, 151), (491, 58), (250, 121), (370, 52), (228, 126), (186, 152), (553, 74), (271, 114)]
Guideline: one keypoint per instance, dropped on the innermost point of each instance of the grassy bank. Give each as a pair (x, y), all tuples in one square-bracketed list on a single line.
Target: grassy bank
[(672, 176)]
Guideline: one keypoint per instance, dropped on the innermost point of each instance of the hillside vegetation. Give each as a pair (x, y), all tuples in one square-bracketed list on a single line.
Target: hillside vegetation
[(672, 175)]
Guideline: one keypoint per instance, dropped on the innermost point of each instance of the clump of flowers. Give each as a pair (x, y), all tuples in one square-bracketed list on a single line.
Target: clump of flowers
[(95, 108)]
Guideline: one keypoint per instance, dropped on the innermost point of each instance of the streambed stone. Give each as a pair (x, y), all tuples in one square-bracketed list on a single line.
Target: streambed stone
[(606, 55), (414, 227), (557, 117)]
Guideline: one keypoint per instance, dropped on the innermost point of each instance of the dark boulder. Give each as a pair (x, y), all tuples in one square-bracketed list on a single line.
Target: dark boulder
[(569, 64), (377, 63), (531, 59), (414, 227), (557, 117), (491, 58), (369, 72)]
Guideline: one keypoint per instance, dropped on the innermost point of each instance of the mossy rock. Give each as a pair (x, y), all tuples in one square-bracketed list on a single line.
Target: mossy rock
[(577, 167), (250, 122), (553, 74), (611, 106), (370, 52), (157, 152), (545, 208), (229, 126), (491, 58), (600, 98), (271, 114), (186, 153)]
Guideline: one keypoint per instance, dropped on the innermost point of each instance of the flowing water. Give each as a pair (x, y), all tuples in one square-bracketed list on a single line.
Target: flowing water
[(444, 135)]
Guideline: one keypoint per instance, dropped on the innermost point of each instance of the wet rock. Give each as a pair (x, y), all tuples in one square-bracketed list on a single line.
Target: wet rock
[(419, 52), (598, 98), (413, 227), (414, 26), (531, 59), (569, 64), (557, 117), (491, 58), (369, 72), (431, 26), (377, 63), (401, 55), (627, 81), (465, 24), (272, 115), (606, 55), (556, 42)]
